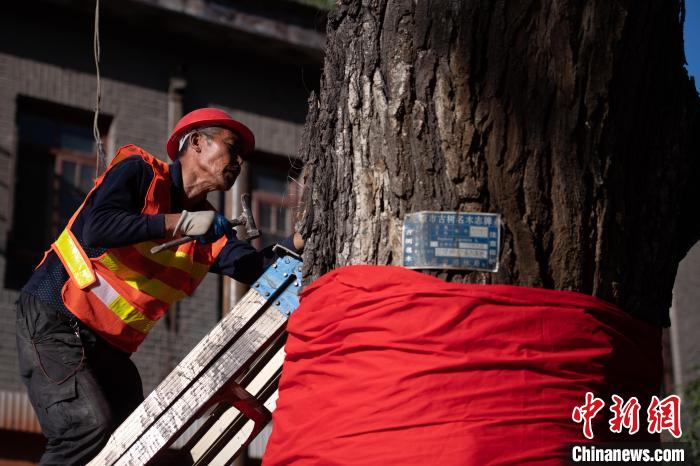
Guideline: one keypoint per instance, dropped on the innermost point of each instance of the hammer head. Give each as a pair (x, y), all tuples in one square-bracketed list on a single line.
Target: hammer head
[(251, 229)]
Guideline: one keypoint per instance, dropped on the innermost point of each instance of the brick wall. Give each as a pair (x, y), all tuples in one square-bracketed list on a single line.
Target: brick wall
[(9, 378)]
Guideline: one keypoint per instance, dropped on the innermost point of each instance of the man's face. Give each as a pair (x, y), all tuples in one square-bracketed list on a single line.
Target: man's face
[(220, 159)]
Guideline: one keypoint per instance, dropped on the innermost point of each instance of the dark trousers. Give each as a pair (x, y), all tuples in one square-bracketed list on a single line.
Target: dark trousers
[(81, 387)]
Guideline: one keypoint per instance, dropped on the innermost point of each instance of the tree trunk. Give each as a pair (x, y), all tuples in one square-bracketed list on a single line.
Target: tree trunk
[(576, 121)]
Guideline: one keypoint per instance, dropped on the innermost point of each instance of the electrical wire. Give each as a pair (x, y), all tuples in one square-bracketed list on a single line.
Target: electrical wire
[(101, 157)]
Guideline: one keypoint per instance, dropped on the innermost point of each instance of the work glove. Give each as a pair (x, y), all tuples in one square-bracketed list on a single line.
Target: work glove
[(205, 226)]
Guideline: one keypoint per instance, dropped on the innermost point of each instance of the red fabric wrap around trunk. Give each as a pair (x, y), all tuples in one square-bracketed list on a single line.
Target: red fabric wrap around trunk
[(387, 366)]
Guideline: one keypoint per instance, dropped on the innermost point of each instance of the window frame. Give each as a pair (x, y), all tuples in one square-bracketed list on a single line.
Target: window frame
[(276, 201), (82, 161)]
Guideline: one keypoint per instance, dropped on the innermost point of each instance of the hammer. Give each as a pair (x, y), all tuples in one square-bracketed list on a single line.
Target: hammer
[(246, 218)]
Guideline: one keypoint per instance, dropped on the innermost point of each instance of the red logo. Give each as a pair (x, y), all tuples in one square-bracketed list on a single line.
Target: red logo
[(661, 414), (665, 415), (586, 412), (625, 415)]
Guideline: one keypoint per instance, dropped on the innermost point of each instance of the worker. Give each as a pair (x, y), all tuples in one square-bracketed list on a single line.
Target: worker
[(98, 291)]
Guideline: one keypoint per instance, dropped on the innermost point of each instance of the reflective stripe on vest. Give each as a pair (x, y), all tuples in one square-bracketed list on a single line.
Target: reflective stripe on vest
[(173, 258), (153, 287), (84, 275), (117, 304), (73, 257)]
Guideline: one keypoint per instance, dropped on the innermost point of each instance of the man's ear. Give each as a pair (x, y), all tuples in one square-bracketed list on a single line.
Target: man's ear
[(196, 141)]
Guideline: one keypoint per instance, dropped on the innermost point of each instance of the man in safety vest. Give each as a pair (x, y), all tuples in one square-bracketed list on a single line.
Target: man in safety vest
[(99, 291)]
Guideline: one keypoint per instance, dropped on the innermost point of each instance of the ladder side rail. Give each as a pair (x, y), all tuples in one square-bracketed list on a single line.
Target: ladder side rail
[(203, 389)]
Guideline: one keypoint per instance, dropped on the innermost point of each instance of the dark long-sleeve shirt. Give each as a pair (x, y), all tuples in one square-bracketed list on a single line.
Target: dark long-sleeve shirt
[(112, 218)]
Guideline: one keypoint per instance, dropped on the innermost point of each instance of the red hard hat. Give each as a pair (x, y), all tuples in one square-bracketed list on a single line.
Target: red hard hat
[(210, 117)]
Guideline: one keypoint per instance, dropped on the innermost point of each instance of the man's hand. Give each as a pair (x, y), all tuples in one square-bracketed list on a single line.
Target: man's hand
[(298, 241), (194, 223), (206, 226)]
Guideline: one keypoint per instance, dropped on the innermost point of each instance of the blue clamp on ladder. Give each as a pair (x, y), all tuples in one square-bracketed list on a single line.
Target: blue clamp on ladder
[(281, 282)]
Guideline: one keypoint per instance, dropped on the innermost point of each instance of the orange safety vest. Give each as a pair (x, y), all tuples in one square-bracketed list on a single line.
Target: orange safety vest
[(123, 292)]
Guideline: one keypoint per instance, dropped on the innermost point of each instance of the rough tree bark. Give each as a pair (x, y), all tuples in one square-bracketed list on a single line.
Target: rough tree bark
[(574, 120)]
